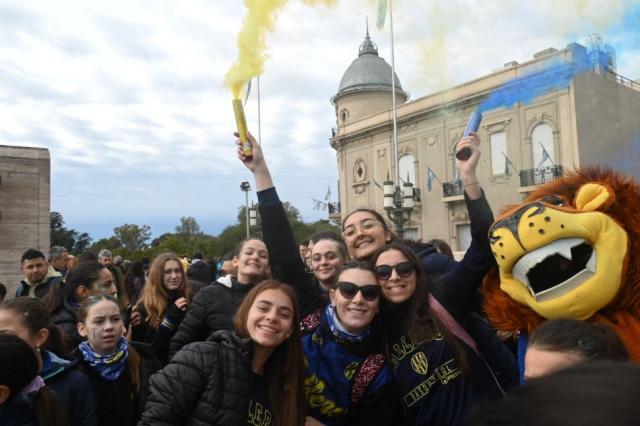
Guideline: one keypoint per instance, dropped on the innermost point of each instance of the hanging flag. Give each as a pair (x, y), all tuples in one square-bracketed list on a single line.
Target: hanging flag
[(508, 165), (382, 13), (431, 176), (326, 197), (545, 157), (246, 93)]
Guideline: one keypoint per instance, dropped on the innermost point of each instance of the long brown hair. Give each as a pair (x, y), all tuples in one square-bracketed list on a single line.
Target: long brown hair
[(154, 297), (133, 361), (422, 324), (286, 363)]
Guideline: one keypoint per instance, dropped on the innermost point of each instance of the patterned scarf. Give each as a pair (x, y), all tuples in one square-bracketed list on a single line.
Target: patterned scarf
[(338, 329), (110, 367)]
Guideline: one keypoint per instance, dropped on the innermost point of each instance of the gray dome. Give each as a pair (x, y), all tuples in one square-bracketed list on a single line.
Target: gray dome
[(368, 71)]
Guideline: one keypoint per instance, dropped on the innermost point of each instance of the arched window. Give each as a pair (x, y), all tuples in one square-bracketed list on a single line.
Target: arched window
[(407, 167), (344, 116), (541, 141)]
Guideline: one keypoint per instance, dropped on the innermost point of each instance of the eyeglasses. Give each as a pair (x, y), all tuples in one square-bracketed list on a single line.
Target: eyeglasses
[(403, 269), (370, 292), (365, 226)]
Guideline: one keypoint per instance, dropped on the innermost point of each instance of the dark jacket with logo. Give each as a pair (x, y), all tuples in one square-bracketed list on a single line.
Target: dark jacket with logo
[(206, 383)]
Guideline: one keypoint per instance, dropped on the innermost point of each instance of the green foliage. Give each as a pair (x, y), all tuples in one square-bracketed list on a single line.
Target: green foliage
[(133, 237), (131, 241), (71, 239)]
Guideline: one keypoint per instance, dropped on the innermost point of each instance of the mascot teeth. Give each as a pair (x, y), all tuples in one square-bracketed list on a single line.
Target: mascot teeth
[(556, 268)]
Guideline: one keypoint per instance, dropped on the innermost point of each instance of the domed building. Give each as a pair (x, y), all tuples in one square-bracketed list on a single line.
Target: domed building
[(523, 145), (365, 87)]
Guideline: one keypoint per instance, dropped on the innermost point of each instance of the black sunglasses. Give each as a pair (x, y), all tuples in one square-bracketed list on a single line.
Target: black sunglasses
[(403, 269), (370, 292)]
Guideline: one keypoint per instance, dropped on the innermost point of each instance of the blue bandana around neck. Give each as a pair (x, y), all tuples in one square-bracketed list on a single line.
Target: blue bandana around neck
[(338, 329), (110, 367)]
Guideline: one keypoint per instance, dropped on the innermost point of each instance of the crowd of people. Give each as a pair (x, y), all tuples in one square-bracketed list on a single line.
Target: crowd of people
[(361, 328)]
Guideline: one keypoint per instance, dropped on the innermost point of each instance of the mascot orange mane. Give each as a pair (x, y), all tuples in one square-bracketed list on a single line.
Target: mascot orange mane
[(571, 249)]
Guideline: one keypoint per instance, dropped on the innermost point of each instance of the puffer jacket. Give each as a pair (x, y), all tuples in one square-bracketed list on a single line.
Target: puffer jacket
[(206, 383), (212, 309)]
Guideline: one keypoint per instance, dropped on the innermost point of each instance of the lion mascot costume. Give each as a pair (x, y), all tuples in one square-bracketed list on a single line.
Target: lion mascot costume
[(571, 249)]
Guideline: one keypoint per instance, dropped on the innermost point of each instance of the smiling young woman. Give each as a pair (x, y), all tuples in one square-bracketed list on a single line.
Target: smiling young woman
[(251, 375), (429, 350), (213, 307), (162, 305)]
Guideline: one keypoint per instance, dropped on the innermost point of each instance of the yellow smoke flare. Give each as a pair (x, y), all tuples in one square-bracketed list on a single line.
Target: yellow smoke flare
[(259, 21)]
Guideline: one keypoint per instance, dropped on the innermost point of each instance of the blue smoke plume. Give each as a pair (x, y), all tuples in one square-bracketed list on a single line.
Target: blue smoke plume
[(557, 75)]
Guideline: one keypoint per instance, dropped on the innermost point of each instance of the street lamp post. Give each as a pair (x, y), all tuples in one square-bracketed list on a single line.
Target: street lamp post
[(398, 203), (245, 187)]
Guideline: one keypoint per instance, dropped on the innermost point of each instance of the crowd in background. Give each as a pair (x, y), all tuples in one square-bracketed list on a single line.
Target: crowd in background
[(361, 328)]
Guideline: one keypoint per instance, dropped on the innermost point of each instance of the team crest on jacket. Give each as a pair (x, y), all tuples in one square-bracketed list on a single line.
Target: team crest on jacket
[(419, 363)]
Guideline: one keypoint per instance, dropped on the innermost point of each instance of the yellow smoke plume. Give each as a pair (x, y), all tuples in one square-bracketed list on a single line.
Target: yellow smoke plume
[(259, 21)]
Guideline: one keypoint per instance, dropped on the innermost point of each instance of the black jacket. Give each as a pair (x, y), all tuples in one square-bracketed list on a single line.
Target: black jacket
[(206, 383), (40, 290), (211, 309), (67, 319), (115, 401), (158, 337)]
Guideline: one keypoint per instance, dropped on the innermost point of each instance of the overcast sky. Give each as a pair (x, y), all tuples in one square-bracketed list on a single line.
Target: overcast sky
[(128, 95)]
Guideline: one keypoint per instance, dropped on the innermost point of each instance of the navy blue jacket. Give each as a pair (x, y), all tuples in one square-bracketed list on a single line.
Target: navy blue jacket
[(332, 366), (433, 390), (72, 388)]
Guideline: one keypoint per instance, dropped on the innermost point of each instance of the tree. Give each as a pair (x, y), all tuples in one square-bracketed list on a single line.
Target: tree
[(188, 226), (71, 239), (133, 237)]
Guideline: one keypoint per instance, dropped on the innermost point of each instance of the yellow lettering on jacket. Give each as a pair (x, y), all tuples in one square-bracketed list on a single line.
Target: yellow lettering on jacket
[(258, 415), (443, 374), (314, 387)]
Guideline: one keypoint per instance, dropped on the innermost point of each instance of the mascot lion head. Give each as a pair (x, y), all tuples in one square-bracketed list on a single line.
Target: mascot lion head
[(571, 249)]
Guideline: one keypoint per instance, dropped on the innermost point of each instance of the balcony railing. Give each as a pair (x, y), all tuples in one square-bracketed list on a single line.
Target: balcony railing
[(452, 189), (539, 176)]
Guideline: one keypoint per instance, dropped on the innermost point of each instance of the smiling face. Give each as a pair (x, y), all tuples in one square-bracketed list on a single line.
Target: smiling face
[(396, 288), (172, 275), (326, 262), (364, 234), (102, 327), (252, 262), (355, 313), (270, 319)]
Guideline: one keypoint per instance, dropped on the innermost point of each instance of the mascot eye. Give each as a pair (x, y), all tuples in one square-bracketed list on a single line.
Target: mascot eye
[(553, 200)]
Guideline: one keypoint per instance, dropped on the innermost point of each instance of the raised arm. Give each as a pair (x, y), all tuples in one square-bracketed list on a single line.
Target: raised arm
[(286, 263), (457, 289)]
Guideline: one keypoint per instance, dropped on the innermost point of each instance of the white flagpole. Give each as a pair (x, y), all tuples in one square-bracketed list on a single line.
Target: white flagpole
[(259, 122), (393, 99)]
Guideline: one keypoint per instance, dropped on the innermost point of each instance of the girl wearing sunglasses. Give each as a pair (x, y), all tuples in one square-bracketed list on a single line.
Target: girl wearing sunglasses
[(347, 379), (438, 368)]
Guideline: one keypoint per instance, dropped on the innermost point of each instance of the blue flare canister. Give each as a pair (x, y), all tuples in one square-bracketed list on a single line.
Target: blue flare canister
[(472, 126)]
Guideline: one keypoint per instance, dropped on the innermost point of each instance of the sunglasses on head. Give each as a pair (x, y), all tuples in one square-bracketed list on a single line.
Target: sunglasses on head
[(403, 269), (370, 292)]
